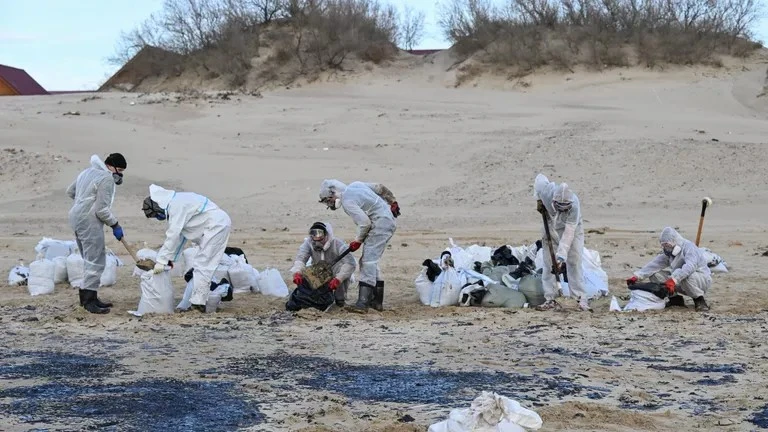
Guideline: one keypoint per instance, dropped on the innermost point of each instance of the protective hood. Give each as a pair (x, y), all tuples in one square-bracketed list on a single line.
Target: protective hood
[(541, 186), (332, 188), (328, 235), (160, 195), (97, 163), (669, 235), (563, 194)]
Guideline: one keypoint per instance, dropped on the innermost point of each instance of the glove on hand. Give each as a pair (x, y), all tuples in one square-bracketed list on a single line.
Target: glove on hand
[(333, 284), (117, 231), (395, 209), (670, 284), (632, 280), (297, 279), (159, 268), (355, 245)]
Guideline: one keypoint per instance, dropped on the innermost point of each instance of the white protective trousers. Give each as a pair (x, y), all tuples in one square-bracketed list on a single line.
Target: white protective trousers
[(694, 286), (373, 249), (573, 267), (212, 246)]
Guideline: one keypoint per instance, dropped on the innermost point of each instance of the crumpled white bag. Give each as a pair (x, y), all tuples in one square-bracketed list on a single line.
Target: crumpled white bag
[(241, 275), (75, 270), (489, 412), (109, 275), (447, 288), (60, 269), (41, 274), (715, 262), (18, 275), (271, 283), (643, 301), (595, 278), (156, 294), (49, 248)]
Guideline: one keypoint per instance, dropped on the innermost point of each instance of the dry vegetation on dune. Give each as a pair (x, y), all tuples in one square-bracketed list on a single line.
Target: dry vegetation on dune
[(528, 34), (251, 43), (221, 38)]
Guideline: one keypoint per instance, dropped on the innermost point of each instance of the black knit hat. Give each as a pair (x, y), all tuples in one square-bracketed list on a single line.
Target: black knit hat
[(116, 160), (319, 225)]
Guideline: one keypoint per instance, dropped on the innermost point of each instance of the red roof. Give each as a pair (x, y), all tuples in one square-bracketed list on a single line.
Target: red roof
[(20, 80)]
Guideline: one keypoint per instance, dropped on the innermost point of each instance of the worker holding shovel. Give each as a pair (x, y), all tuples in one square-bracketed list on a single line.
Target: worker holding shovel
[(563, 235), (93, 192), (329, 264)]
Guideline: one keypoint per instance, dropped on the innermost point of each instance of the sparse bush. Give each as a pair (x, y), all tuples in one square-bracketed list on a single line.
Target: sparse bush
[(527, 34)]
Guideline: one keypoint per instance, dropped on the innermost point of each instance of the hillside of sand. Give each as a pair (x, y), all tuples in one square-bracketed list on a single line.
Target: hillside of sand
[(640, 148)]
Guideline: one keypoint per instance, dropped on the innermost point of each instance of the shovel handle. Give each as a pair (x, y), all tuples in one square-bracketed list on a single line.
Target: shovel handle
[(129, 249)]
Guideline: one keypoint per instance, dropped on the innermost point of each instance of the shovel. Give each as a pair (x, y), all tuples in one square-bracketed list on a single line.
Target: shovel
[(333, 306), (555, 269), (145, 264)]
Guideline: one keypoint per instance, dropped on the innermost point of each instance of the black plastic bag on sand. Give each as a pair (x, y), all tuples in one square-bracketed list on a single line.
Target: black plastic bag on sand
[(503, 257), (304, 297), (433, 270), (656, 289)]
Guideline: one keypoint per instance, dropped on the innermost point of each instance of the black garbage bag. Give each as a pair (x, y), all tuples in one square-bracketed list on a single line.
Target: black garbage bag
[(525, 268), (235, 251), (475, 297), (304, 297), (656, 289), (214, 285), (503, 257), (433, 270)]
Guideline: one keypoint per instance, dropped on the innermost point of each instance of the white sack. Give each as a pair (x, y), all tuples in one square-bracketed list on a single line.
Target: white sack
[(75, 270), (715, 262), (49, 248), (156, 294), (271, 283), (241, 275), (223, 268), (489, 412), (60, 269), (423, 287), (461, 258), (615, 305), (479, 253), (643, 300), (41, 273), (18, 276), (595, 278), (142, 254), (447, 288), (109, 275)]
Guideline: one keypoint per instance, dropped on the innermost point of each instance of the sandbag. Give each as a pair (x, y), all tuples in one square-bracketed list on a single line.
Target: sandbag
[(489, 412), (49, 248), (60, 269), (304, 297), (41, 274), (75, 270), (156, 294), (447, 288), (109, 275), (241, 275), (424, 287), (531, 286), (502, 296), (271, 283), (497, 273), (643, 300), (18, 276)]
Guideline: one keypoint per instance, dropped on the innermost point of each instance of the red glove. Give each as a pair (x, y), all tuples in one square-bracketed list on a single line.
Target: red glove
[(333, 284), (395, 209), (632, 280), (297, 279), (355, 245), (670, 284)]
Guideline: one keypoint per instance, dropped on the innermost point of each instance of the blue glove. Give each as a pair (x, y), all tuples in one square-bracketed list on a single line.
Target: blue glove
[(117, 231)]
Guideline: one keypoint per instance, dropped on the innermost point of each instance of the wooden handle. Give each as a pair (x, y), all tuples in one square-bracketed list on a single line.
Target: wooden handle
[(129, 249)]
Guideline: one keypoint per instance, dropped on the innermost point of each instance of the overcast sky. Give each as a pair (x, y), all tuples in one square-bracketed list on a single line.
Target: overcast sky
[(64, 44)]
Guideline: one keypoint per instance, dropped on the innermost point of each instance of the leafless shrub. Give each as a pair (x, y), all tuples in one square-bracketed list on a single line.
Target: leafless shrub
[(531, 33), (411, 28)]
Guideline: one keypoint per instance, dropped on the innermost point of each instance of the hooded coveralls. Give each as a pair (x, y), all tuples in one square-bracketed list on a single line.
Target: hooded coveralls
[(195, 218), (567, 232), (688, 267), (332, 248), (93, 192)]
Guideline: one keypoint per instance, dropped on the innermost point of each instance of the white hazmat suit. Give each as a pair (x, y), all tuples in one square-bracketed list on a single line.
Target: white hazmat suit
[(195, 218), (567, 231), (329, 251), (93, 192), (687, 266), (369, 206)]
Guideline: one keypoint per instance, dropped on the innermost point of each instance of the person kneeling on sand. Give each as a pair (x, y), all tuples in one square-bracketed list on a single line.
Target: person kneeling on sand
[(688, 271), (321, 245), (195, 218)]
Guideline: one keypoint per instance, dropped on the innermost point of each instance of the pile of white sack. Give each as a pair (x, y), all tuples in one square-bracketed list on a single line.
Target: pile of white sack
[(56, 262), (456, 282), (490, 412), (233, 270)]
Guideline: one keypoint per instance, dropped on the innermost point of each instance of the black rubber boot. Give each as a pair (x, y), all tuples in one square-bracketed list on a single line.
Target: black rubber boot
[(377, 302), (88, 301), (676, 300), (364, 294), (701, 305), (101, 304)]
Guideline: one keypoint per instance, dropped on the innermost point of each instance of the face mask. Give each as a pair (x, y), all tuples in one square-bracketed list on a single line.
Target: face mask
[(671, 252), (335, 205), (152, 209), (118, 178), (561, 207)]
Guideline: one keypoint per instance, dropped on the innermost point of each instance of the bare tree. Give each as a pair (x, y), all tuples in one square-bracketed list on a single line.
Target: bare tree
[(411, 28)]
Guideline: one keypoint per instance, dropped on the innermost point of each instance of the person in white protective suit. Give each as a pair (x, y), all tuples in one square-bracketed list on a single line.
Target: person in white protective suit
[(321, 245), (563, 209), (373, 208), (195, 218), (681, 265), (94, 192)]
